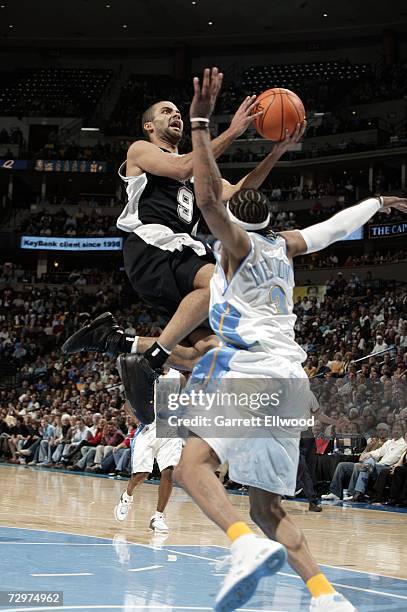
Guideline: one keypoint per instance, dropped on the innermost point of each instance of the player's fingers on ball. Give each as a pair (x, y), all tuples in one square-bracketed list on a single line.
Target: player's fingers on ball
[(252, 106), (250, 100), (296, 136), (246, 103)]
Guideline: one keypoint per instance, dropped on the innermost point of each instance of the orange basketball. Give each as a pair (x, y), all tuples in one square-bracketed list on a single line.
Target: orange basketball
[(282, 110)]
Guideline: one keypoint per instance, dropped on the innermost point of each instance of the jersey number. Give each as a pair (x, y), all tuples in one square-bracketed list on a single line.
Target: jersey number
[(185, 208)]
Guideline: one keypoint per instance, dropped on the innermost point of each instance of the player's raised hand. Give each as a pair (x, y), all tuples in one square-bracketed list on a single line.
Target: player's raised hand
[(390, 202), (205, 95), (281, 147), (244, 116)]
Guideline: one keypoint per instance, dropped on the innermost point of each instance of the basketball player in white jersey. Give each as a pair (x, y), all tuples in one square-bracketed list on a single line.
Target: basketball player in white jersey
[(145, 447), (251, 311), (167, 265)]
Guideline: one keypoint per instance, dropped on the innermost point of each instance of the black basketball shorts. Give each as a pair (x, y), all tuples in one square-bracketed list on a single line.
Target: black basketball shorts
[(162, 277)]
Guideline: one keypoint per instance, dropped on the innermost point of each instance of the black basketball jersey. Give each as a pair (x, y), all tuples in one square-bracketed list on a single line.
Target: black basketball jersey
[(159, 200), (169, 202)]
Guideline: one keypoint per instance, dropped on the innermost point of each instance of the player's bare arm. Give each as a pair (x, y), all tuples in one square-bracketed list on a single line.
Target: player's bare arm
[(258, 175), (208, 182), (144, 156), (318, 237)]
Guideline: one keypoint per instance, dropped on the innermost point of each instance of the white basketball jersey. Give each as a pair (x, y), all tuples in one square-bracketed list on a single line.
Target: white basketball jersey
[(254, 311)]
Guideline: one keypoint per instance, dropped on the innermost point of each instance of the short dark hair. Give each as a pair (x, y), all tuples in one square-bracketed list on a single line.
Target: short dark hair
[(147, 116), (251, 206)]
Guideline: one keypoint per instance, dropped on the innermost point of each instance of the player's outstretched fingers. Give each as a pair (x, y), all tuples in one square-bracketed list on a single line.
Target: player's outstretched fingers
[(299, 132), (250, 103), (216, 81), (197, 86), (246, 105), (206, 81)]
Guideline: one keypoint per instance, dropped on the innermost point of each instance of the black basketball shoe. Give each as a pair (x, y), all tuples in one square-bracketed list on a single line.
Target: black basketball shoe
[(102, 335), (138, 380)]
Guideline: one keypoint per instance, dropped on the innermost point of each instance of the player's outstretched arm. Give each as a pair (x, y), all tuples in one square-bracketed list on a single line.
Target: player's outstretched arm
[(319, 236), (208, 182), (149, 158), (258, 175)]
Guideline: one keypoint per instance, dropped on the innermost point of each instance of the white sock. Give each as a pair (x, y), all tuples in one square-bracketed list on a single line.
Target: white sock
[(158, 514), (127, 497), (135, 345), (243, 540)]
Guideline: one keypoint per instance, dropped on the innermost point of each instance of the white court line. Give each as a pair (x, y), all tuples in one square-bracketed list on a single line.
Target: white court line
[(348, 569), (179, 552), (75, 574), (189, 555), (347, 586), (145, 569)]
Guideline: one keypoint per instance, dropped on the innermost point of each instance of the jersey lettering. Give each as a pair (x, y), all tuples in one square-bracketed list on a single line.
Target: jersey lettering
[(185, 208)]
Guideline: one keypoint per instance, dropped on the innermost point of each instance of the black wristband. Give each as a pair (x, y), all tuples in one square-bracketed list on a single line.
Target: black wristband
[(201, 126)]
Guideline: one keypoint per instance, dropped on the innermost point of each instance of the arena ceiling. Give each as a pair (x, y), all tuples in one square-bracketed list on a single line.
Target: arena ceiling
[(142, 22)]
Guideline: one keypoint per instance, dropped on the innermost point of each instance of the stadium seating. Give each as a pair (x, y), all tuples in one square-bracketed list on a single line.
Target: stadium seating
[(54, 92)]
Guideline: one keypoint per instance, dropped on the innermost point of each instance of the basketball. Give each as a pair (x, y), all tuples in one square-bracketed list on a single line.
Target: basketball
[(282, 110)]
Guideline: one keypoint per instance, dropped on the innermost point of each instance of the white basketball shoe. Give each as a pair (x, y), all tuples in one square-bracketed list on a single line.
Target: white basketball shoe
[(123, 507), (157, 523), (331, 603), (252, 558), (330, 497)]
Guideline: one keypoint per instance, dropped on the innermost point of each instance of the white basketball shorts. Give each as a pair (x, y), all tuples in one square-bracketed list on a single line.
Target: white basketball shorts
[(146, 447)]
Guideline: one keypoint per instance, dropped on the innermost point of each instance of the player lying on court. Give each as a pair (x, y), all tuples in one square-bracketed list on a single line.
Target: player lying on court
[(251, 311), (146, 447), (167, 265)]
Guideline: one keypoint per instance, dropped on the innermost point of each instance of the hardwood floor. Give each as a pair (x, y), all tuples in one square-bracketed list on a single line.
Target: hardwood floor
[(359, 539)]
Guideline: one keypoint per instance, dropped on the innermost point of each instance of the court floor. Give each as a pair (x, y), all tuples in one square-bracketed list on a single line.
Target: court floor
[(58, 533)]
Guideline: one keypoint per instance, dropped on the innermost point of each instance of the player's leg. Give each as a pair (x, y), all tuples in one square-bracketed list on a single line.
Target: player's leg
[(142, 463), (191, 312), (165, 489), (168, 454), (125, 502), (252, 557), (195, 473), (267, 512), (157, 521), (104, 335)]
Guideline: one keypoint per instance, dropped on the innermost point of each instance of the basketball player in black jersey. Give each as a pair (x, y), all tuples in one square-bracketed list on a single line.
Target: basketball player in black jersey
[(167, 266)]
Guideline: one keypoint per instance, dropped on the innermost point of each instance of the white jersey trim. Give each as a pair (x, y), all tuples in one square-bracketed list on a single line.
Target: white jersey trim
[(217, 254), (155, 234)]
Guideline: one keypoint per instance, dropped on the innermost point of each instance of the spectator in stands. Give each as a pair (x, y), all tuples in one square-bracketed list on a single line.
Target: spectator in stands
[(89, 446), (398, 489), (347, 469), (46, 433), (380, 344), (112, 438), (336, 365), (377, 460)]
